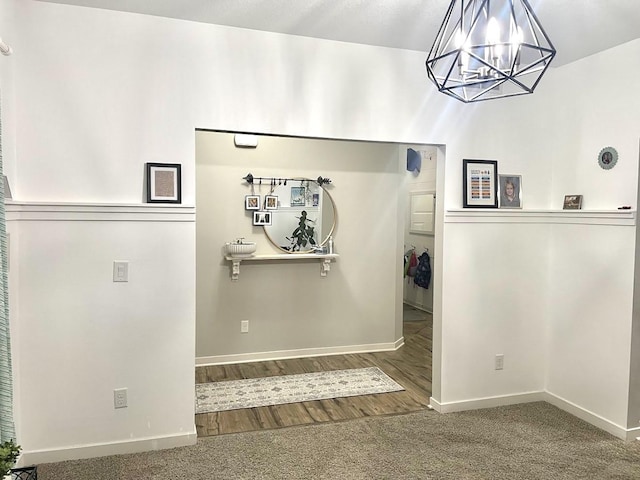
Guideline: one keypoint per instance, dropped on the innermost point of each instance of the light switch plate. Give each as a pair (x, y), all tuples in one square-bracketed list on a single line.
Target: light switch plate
[(120, 271)]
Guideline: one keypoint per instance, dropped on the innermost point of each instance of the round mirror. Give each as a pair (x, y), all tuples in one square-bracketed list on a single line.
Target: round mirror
[(303, 216)]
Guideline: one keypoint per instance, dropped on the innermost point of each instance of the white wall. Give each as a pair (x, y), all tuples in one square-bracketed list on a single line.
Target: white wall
[(81, 335), (590, 326), (98, 93), (134, 88), (510, 280), (591, 279), (7, 68), (494, 302)]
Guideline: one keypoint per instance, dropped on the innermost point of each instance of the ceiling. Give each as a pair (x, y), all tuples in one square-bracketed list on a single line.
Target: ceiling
[(577, 28)]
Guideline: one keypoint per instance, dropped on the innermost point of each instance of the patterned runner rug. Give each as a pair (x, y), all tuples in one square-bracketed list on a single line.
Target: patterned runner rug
[(260, 392)]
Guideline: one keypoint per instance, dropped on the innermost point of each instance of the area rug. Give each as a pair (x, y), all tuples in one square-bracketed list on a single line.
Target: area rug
[(261, 392)]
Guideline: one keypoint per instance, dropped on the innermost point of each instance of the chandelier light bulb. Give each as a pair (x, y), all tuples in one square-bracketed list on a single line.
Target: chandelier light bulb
[(493, 31)]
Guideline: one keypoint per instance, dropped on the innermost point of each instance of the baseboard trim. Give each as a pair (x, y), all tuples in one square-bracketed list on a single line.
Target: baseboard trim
[(35, 457), (434, 405), (541, 396), (301, 353), (592, 418), (633, 434), (487, 402), (418, 307)]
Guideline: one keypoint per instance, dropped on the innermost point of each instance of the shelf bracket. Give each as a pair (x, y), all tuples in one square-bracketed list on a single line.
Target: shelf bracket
[(235, 269), (325, 267)]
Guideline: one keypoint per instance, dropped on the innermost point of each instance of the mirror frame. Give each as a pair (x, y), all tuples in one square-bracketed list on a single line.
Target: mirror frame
[(325, 240)]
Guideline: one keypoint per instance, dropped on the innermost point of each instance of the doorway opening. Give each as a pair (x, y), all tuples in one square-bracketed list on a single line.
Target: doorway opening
[(299, 321)]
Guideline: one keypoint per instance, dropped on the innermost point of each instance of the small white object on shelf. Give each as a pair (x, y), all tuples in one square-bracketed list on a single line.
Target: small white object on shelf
[(240, 248)]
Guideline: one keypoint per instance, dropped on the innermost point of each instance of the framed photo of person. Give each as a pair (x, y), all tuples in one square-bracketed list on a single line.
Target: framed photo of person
[(572, 202), (479, 183), (510, 191)]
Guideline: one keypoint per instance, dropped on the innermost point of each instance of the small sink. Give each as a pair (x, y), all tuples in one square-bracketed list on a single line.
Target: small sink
[(244, 249)]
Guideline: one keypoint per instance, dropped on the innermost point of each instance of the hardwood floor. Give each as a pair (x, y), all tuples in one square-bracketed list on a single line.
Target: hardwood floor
[(410, 366)]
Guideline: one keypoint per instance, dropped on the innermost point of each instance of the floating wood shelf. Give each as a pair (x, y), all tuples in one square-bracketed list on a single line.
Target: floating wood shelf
[(325, 261)]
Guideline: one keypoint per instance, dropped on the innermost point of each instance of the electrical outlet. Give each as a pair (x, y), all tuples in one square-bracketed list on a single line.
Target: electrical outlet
[(499, 361), (244, 326), (120, 398)]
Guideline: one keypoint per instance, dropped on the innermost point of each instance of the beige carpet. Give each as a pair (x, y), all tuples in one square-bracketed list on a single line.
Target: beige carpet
[(534, 441)]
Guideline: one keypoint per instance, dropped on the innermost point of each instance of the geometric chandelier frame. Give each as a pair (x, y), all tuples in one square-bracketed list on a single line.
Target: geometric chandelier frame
[(487, 49)]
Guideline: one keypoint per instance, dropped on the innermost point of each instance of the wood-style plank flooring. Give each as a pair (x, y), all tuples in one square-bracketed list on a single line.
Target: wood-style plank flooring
[(410, 366)]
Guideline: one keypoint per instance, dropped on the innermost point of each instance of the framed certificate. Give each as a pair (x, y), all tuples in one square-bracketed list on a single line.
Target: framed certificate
[(480, 183)]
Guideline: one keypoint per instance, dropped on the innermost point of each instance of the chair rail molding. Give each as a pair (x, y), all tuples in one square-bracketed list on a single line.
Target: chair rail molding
[(576, 217), (117, 212)]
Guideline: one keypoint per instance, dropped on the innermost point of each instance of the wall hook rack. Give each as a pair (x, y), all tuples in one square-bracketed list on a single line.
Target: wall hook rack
[(251, 180)]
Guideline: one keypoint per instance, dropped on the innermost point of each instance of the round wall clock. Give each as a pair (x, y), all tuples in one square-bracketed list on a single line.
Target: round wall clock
[(607, 158)]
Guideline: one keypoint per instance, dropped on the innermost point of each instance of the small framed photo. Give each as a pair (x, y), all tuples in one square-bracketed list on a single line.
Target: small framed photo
[(316, 199), (480, 183), (298, 197), (572, 202), (164, 184), (271, 202), (510, 191), (262, 218), (252, 202), (607, 158)]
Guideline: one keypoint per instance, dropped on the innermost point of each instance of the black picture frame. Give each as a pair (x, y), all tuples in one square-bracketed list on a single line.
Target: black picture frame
[(572, 202), (479, 183), (164, 182), (262, 217)]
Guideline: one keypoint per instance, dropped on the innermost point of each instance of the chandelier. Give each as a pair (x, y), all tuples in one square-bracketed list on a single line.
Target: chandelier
[(489, 49)]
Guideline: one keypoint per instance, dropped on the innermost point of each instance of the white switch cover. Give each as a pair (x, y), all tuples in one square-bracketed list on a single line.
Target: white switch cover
[(120, 271), (500, 361)]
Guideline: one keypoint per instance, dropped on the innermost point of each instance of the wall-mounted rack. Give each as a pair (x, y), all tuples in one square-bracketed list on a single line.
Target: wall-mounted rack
[(250, 179)]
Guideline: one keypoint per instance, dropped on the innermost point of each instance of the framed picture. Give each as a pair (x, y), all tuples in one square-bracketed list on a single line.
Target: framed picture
[(252, 202), (298, 197), (572, 202), (510, 191), (262, 218), (316, 199), (607, 158), (480, 183), (164, 184), (271, 202)]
